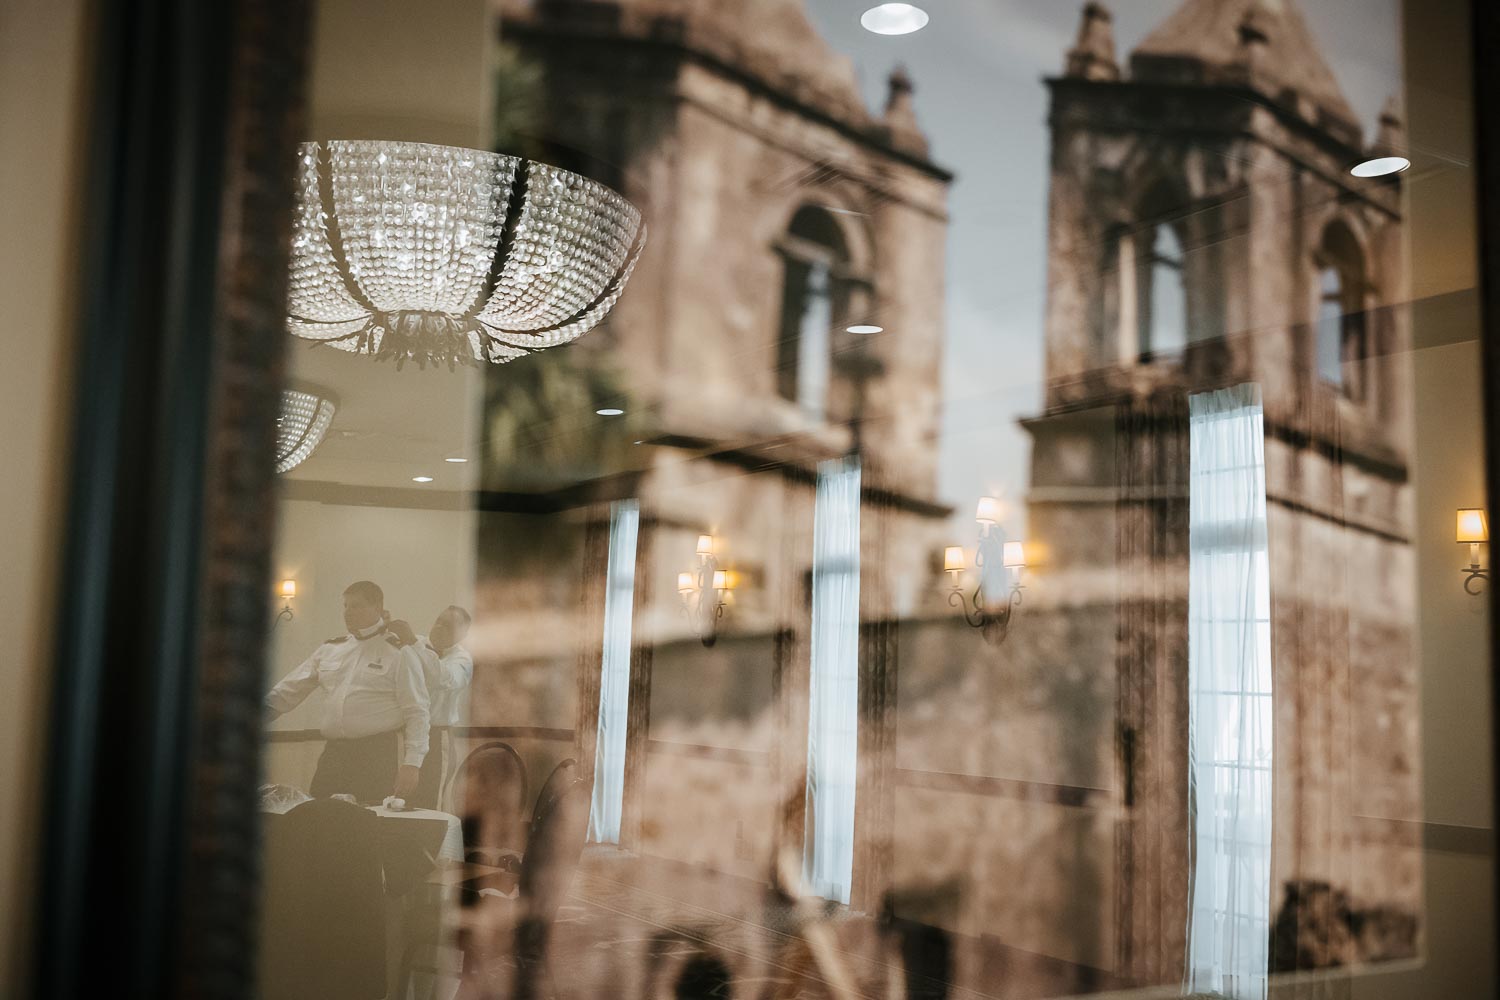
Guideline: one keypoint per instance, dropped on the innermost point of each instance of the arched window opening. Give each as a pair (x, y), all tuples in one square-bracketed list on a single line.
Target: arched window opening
[(1147, 304), (1342, 336), (1162, 294), (813, 302)]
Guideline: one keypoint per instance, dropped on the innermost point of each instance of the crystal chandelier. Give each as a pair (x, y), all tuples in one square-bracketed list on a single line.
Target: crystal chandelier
[(304, 420), (440, 255)]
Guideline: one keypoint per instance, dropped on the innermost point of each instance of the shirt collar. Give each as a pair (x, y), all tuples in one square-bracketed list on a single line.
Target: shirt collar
[(369, 633)]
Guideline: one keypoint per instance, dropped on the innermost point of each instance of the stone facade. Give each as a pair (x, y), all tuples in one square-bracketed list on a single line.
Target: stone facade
[(744, 139), (1228, 129)]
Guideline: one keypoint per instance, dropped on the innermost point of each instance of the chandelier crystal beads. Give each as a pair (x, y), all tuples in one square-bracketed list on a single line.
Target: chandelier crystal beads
[(300, 427), (441, 255)]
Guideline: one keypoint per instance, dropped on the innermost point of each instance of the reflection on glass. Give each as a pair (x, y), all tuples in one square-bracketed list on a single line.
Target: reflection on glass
[(1341, 333), (614, 681), (833, 708), (882, 312), (1229, 684), (1163, 304), (815, 256)]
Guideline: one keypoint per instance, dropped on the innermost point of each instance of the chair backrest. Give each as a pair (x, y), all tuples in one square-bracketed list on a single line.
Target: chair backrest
[(563, 775), (489, 794), (322, 916), (557, 837)]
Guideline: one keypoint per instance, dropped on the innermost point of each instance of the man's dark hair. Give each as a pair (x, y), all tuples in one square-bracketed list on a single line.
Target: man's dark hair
[(459, 613), (368, 592)]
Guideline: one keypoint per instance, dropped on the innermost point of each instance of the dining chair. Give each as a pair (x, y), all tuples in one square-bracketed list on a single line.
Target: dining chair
[(547, 870), (488, 791), (323, 928), (546, 874), (563, 775)]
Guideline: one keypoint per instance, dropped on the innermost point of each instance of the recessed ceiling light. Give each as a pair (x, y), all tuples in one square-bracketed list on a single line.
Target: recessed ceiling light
[(456, 461), (864, 328), (609, 411), (1381, 166), (421, 479), (894, 19)]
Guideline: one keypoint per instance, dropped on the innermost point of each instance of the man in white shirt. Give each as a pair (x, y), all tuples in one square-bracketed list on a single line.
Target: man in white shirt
[(375, 709), (447, 668)]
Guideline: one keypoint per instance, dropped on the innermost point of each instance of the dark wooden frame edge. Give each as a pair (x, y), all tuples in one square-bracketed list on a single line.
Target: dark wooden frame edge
[(148, 885)]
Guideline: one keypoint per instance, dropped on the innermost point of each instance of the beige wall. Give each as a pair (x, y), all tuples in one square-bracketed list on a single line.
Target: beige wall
[(394, 69), (42, 115), (1459, 957)]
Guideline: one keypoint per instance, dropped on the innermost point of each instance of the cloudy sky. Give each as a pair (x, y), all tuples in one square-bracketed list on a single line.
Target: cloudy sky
[(978, 69)]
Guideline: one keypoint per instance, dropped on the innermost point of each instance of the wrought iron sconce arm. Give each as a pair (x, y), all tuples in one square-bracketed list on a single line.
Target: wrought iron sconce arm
[(994, 623)]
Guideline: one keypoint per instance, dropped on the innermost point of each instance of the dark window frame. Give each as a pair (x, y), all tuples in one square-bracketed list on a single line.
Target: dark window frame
[(149, 832)]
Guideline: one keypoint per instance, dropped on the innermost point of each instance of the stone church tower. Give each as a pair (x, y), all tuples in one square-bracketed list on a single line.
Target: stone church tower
[(1204, 232), (782, 211)]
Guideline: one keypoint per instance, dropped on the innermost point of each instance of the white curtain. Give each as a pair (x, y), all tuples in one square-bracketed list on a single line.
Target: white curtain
[(614, 680), (833, 713), (1229, 682)]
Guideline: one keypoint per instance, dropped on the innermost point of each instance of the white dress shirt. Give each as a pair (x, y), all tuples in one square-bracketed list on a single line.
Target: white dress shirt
[(447, 675), (371, 685)]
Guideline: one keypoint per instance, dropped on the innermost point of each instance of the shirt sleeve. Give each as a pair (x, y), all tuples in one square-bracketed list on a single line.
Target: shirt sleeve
[(294, 687), (456, 672), (431, 667), (411, 696)]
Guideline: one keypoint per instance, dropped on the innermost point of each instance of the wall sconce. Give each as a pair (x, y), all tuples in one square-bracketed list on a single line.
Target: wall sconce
[(992, 557), (288, 591), (705, 592), (1473, 528)]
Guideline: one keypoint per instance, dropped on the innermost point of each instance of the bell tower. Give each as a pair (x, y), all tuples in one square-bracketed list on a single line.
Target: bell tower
[(1204, 232)]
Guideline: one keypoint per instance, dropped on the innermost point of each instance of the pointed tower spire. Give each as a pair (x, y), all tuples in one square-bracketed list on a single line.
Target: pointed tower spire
[(901, 113), (1093, 55)]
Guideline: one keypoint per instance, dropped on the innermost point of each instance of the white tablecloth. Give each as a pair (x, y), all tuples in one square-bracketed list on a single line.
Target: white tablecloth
[(452, 848)]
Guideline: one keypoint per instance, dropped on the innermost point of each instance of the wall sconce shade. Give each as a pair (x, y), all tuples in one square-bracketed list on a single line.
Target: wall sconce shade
[(1014, 556), (953, 559), (1473, 529), (705, 545), (988, 511), (286, 590), (1473, 525), (685, 583)]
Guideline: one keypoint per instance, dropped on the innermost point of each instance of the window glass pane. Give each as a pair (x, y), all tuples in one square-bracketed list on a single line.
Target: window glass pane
[(928, 514)]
